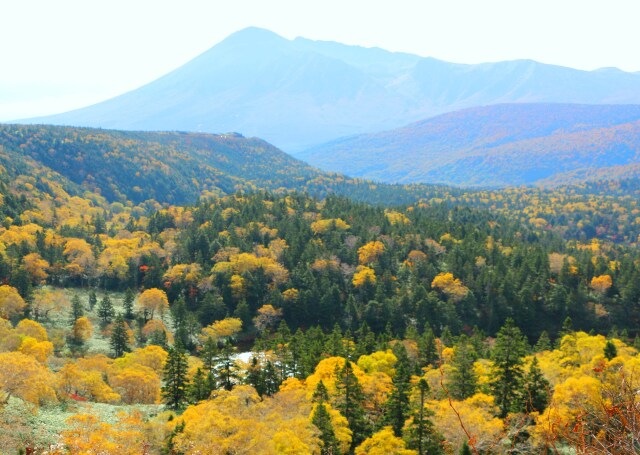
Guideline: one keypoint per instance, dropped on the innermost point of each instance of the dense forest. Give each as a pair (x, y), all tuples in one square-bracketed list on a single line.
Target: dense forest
[(272, 320)]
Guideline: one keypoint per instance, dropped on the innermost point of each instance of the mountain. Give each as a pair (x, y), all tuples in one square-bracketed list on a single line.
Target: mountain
[(172, 167), (299, 93), (499, 145)]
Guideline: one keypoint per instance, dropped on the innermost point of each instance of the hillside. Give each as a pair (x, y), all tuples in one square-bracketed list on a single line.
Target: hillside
[(501, 145), (299, 93)]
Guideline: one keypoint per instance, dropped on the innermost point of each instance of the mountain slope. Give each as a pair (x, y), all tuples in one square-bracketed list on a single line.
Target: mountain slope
[(297, 93), (173, 167), (501, 145)]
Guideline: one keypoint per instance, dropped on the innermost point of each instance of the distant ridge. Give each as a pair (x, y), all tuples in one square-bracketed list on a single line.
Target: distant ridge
[(299, 93), (499, 145)]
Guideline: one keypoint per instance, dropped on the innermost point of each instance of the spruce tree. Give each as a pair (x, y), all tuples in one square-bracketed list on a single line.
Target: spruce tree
[(463, 381), (397, 406), (127, 305), (77, 311), (507, 384), (421, 434), (175, 379), (225, 370), (349, 402), (536, 389), (119, 338), (201, 386), (322, 420), (106, 311), (610, 350), (93, 299), (543, 343)]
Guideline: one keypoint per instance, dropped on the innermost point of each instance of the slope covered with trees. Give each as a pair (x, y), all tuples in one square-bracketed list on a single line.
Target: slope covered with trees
[(457, 321), (496, 146)]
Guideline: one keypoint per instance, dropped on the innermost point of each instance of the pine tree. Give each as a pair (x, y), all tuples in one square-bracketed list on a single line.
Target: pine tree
[(610, 350), (127, 305), (427, 348), (322, 420), (507, 386), (93, 299), (106, 311), (465, 449), (349, 402), (421, 434), (201, 386), (225, 370), (536, 389), (543, 343), (463, 381), (77, 311), (119, 337), (176, 383), (397, 406)]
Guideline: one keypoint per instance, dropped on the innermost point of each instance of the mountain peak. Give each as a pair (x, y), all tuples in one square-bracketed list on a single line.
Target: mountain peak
[(251, 35)]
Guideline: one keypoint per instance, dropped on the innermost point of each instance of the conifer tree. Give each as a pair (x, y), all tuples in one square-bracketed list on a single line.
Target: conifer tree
[(536, 389), (421, 434), (397, 406), (322, 420), (93, 299), (176, 383), (127, 305), (225, 370), (201, 386), (507, 386), (106, 311), (543, 343), (349, 402), (610, 350), (463, 381), (119, 337), (465, 449), (77, 311)]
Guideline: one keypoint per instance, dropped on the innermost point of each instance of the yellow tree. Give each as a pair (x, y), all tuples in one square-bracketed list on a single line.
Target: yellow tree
[(154, 300), (451, 286), (370, 252), (24, 377), (384, 442), (11, 303), (36, 267)]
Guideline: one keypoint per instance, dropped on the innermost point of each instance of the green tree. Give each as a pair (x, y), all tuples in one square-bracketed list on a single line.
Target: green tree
[(349, 399), (420, 434), (322, 420), (106, 311), (93, 299), (397, 406), (127, 304), (176, 383), (463, 381), (201, 387), (507, 380), (77, 311), (536, 389), (610, 350), (119, 338)]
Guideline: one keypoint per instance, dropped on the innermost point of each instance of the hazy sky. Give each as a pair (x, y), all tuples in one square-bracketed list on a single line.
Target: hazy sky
[(63, 54)]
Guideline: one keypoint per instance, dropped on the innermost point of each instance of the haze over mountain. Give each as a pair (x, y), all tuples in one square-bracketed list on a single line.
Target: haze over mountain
[(499, 145), (299, 93)]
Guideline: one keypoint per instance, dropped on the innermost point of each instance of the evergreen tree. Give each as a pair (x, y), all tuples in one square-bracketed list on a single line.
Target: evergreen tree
[(397, 406), (225, 371), (322, 420), (463, 381), (127, 305), (201, 386), (543, 343), (93, 299), (421, 434), (119, 337), (106, 311), (77, 311), (175, 379), (465, 449), (536, 389), (349, 402), (507, 386), (610, 350), (428, 350)]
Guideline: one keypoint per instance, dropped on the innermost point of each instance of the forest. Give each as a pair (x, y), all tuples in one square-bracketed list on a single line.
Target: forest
[(288, 321)]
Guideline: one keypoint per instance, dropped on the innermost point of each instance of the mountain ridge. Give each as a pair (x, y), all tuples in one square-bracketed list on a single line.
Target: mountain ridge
[(300, 93)]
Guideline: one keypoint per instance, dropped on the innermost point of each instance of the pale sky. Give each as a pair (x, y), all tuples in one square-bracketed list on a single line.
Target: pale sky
[(63, 54)]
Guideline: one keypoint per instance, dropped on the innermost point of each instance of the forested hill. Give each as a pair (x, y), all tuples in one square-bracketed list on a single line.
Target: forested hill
[(497, 146), (177, 167)]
